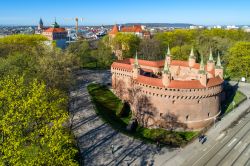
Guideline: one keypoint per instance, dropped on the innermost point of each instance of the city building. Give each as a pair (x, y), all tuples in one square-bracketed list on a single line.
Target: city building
[(170, 93), (57, 34), (137, 30)]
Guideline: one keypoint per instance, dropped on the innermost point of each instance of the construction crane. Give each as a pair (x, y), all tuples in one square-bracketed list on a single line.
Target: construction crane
[(76, 19)]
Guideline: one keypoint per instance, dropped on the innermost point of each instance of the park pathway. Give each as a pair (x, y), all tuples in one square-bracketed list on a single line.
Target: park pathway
[(95, 138)]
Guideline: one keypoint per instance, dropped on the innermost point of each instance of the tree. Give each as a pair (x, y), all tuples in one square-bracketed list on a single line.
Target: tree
[(103, 55), (150, 49), (33, 125), (238, 60), (128, 43), (80, 49), (27, 44), (55, 67)]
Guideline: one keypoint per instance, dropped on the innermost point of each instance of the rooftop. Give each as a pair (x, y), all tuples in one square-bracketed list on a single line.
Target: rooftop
[(126, 64)]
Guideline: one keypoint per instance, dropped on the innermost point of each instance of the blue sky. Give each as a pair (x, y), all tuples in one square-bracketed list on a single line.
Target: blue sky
[(97, 12)]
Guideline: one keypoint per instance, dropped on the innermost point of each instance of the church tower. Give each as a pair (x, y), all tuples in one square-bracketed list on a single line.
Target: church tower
[(191, 59), (40, 25)]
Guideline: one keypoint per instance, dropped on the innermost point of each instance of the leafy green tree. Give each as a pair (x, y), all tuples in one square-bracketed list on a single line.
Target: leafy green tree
[(55, 68), (181, 53), (33, 125), (103, 55), (82, 50), (27, 44), (238, 60), (128, 43), (151, 49)]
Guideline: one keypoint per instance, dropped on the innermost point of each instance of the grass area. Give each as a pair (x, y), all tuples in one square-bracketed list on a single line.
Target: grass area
[(238, 98), (109, 107)]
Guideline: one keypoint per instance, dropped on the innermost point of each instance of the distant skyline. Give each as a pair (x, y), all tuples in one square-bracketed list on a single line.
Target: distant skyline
[(108, 12)]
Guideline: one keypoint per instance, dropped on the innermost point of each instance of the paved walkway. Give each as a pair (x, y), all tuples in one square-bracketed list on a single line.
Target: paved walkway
[(95, 137)]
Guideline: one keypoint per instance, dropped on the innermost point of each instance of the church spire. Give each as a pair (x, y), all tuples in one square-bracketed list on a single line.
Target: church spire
[(202, 66), (136, 63), (168, 53), (218, 63), (166, 68), (211, 59), (192, 53)]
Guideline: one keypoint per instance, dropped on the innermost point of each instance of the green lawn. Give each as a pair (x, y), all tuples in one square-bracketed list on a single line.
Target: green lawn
[(108, 106), (238, 98)]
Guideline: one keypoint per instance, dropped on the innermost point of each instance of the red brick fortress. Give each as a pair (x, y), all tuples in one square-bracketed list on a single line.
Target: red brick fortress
[(170, 94)]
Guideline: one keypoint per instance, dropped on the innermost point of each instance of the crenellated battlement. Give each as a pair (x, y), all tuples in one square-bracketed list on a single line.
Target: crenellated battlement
[(185, 89)]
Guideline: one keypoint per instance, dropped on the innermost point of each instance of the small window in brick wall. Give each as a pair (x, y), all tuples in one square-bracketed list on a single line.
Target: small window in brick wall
[(187, 117), (208, 114)]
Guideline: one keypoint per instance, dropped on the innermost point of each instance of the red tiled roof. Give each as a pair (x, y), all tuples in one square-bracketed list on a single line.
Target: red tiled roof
[(147, 70), (135, 28), (178, 84), (114, 30), (150, 81), (214, 81), (122, 66), (148, 63), (188, 84), (55, 30)]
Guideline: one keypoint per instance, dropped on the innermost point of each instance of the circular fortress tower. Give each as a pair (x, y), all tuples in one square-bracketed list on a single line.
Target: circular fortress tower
[(169, 93)]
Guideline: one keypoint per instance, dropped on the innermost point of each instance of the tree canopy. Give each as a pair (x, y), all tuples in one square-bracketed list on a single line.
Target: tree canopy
[(238, 60), (34, 83), (31, 124)]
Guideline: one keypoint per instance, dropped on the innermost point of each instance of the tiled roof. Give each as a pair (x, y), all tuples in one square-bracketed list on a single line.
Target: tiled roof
[(149, 81), (122, 66), (135, 28), (179, 84), (188, 84), (55, 30), (148, 63), (114, 30), (214, 81)]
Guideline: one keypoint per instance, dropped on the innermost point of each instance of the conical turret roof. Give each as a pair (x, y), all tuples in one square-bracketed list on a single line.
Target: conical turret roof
[(218, 63), (202, 66), (136, 63), (211, 59), (166, 68), (168, 52), (192, 53)]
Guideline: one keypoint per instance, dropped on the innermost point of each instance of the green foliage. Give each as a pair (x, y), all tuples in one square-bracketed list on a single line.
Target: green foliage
[(80, 49), (151, 50), (21, 43), (108, 106), (180, 53), (220, 40), (33, 115), (103, 55), (128, 43), (238, 60), (31, 125), (237, 97)]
